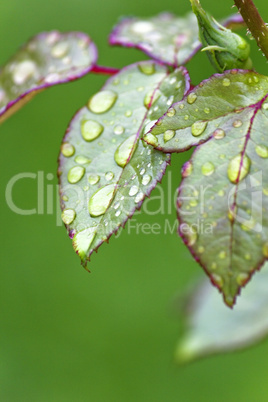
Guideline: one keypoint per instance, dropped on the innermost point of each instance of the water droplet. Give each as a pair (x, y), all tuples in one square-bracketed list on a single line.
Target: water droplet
[(191, 98), (60, 50), (262, 151), (237, 171), (226, 82), (217, 279), (147, 68), (151, 97), (100, 200), (208, 168), (117, 213), (222, 255), (75, 174), (24, 71), (128, 113), (146, 179), (193, 203), (109, 176), (190, 235), (117, 205), (93, 179), (171, 112), (142, 171), (242, 279), (68, 216), (82, 160), (265, 250), (213, 265), (168, 135), (125, 151), (207, 110), (151, 139), (102, 101), (67, 149), (219, 134), (198, 128), (91, 129), (52, 78), (237, 123), (139, 197), (118, 130), (133, 190), (187, 169), (265, 106), (201, 249), (142, 27)]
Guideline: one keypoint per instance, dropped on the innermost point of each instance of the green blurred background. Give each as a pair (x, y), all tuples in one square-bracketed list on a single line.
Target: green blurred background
[(67, 335)]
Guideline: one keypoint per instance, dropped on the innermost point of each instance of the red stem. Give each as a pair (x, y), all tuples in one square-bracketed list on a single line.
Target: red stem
[(254, 22), (104, 70)]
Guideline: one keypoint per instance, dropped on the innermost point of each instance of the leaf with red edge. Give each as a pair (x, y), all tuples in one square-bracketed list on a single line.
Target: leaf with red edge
[(212, 328), (222, 202), (105, 169), (47, 59), (165, 37)]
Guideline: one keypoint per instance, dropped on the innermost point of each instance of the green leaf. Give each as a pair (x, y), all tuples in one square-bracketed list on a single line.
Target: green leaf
[(222, 204), (47, 59), (164, 37), (105, 169), (212, 328)]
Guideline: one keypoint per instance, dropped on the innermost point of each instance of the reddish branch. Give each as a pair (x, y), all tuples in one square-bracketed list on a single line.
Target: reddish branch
[(254, 22)]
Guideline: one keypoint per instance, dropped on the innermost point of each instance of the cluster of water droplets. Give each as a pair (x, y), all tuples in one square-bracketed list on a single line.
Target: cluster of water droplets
[(119, 191), (46, 59)]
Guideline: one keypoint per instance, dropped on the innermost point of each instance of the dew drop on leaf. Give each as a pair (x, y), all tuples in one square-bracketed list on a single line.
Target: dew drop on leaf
[(68, 216), (93, 179), (152, 139), (237, 171), (146, 179), (118, 130), (91, 129), (133, 190), (147, 68), (67, 149), (218, 134), (191, 98), (208, 168), (262, 151), (168, 135), (125, 151), (198, 128), (102, 101), (100, 200), (75, 174)]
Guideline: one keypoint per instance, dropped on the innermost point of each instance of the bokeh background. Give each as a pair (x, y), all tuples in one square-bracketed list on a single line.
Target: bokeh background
[(67, 335)]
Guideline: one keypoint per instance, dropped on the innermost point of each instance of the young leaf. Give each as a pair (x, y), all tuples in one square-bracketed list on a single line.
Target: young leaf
[(47, 59), (164, 37), (222, 204), (212, 328), (105, 169)]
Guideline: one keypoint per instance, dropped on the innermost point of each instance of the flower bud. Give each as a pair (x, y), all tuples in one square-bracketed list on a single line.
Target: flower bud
[(225, 49)]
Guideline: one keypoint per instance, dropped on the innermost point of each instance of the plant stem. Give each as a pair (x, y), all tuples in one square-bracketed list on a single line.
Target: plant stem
[(104, 70), (254, 22)]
